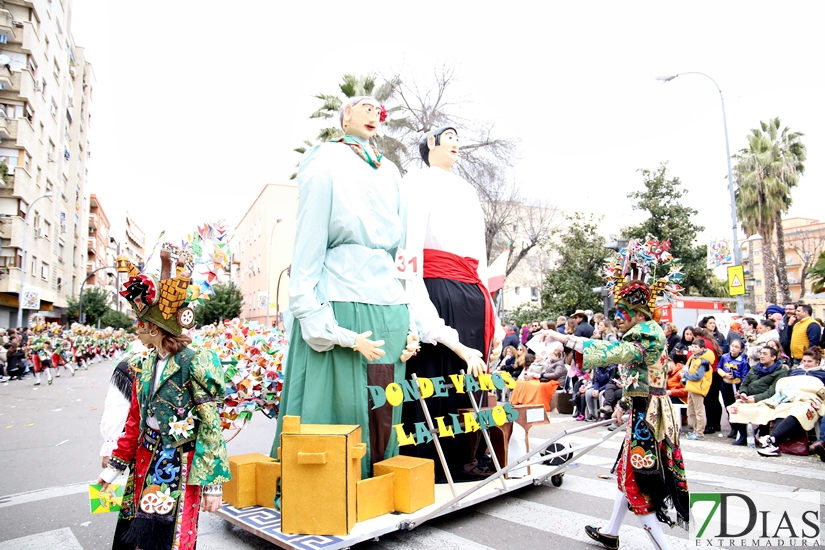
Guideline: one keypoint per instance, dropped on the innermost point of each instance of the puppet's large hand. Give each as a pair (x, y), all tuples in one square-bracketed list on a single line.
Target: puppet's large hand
[(412, 347), (496, 351), (475, 364), (370, 349)]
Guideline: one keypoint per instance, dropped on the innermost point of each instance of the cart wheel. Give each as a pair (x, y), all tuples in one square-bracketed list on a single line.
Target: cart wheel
[(557, 480), (560, 459)]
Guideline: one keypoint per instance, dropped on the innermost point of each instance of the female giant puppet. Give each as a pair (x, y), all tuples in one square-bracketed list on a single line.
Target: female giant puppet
[(172, 443), (446, 230), (343, 288), (651, 473)]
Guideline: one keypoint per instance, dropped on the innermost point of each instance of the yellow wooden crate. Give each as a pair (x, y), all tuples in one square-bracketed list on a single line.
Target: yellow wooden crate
[(375, 497), (266, 481), (240, 490), (414, 483), (320, 469)]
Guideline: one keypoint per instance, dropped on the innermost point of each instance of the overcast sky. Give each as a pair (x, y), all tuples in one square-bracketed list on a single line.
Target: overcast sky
[(200, 104)]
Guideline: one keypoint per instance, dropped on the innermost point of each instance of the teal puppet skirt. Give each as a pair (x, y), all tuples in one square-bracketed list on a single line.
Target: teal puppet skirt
[(330, 387)]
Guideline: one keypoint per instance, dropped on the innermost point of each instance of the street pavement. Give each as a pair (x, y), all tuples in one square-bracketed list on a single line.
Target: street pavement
[(50, 451)]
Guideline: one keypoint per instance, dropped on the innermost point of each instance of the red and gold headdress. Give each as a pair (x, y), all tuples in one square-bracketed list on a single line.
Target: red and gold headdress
[(641, 272)]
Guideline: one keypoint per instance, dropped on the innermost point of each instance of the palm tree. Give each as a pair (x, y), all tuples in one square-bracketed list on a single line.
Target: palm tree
[(761, 196), (788, 167)]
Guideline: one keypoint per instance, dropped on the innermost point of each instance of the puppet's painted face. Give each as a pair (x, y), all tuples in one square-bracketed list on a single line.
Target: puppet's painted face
[(362, 119), (445, 153)]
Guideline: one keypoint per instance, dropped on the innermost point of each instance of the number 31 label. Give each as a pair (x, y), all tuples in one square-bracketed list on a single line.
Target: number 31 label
[(407, 265)]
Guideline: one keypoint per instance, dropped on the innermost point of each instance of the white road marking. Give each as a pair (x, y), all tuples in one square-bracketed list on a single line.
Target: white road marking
[(566, 523), (63, 539)]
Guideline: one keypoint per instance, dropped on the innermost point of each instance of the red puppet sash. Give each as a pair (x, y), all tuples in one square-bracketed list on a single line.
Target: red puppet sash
[(444, 265)]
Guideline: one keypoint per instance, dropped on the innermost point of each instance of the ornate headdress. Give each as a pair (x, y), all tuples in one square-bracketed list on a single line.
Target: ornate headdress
[(167, 301), (161, 301), (641, 272)]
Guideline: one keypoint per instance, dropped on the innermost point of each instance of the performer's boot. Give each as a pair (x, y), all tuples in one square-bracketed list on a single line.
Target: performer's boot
[(37, 379), (609, 535), (49, 376), (69, 366), (57, 372), (650, 523)]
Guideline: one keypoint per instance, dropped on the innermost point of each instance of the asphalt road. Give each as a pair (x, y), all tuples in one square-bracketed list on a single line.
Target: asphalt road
[(50, 451)]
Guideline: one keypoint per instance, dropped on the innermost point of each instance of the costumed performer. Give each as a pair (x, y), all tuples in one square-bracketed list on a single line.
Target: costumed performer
[(650, 471), (172, 443), (352, 320), (118, 402), (445, 232)]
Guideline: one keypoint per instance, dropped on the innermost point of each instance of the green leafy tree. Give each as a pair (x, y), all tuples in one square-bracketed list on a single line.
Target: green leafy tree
[(95, 305), (115, 319), (225, 303), (581, 257), (524, 314), (670, 219)]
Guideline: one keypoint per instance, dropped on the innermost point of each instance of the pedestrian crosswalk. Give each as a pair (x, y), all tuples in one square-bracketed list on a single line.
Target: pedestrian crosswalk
[(534, 517)]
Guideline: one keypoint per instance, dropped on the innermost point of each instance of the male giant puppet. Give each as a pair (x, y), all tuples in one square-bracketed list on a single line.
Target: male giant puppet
[(352, 321), (650, 472), (446, 232)]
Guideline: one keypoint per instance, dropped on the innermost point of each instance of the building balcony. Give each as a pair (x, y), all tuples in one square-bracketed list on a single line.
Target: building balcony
[(21, 130), (7, 25), (10, 280), (5, 133), (11, 227), (6, 80)]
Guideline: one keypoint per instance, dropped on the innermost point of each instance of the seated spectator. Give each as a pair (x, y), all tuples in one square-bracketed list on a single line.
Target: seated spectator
[(532, 370), (681, 350), (580, 398), (555, 369), (797, 405), (732, 367), (675, 388), (759, 384), (600, 377), (765, 332), (786, 360)]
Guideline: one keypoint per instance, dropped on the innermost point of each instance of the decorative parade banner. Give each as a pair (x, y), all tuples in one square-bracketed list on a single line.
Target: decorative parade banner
[(720, 253), (468, 422), (31, 297)]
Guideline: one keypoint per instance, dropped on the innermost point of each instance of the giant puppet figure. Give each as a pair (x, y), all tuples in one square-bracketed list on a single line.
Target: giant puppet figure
[(450, 299), (352, 323), (650, 472)]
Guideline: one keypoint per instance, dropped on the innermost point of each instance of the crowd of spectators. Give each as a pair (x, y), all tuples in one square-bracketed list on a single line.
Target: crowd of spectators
[(711, 372)]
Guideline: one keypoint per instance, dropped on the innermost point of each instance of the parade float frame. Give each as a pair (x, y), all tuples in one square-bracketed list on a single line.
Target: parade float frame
[(549, 460)]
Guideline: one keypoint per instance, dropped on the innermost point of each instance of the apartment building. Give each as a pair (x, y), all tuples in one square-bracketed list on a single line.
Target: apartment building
[(133, 245), (46, 90), (262, 252), (98, 245), (804, 241)]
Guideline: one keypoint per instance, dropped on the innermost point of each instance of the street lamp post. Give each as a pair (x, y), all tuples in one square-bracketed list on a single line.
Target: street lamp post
[(278, 292), (268, 261), (80, 301), (737, 252), (23, 262)]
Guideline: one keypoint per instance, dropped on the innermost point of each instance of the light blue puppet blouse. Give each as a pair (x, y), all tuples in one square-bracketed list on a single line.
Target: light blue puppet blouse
[(351, 222)]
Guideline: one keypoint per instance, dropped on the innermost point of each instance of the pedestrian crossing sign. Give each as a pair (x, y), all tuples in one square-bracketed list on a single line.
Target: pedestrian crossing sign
[(736, 280)]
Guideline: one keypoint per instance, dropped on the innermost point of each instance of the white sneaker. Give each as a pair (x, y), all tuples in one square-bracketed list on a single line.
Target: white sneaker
[(769, 447), (765, 441)]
